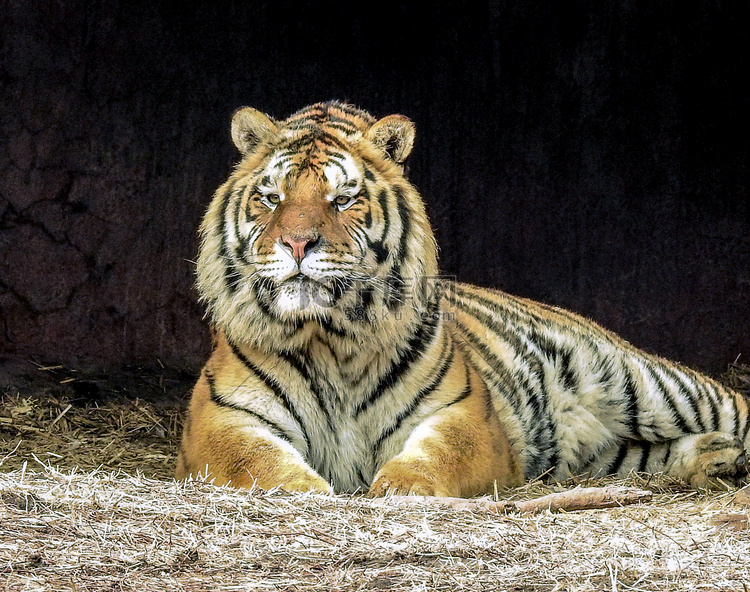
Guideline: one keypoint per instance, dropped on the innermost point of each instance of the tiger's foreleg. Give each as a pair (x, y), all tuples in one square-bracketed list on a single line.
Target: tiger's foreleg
[(460, 451), (229, 446)]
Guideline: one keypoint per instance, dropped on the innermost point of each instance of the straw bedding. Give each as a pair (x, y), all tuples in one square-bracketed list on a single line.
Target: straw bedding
[(87, 503)]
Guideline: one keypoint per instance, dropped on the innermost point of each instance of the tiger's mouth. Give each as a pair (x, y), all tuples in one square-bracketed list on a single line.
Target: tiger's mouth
[(302, 293), (304, 282)]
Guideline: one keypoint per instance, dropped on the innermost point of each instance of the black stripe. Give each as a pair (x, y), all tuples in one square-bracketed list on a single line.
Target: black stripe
[(645, 453), (231, 275), (255, 234), (631, 397), (377, 247), (666, 396), (543, 345), (281, 161), (747, 428), (499, 382), (713, 401), (341, 167), (347, 127), (424, 392), (365, 297), (302, 368), (241, 243), (274, 386), (735, 413), (383, 202), (298, 145), (394, 280), (327, 325), (355, 230), (360, 310), (417, 345), (364, 483), (521, 316), (515, 308), (336, 155), (364, 193), (342, 121), (249, 215), (403, 212), (284, 155), (508, 309), (605, 369), (338, 288), (331, 140), (667, 454), (262, 288), (615, 465), (325, 339), (242, 251), (467, 390), (538, 341), (511, 390), (218, 400), (270, 291), (684, 388), (681, 390), (349, 110), (567, 373)]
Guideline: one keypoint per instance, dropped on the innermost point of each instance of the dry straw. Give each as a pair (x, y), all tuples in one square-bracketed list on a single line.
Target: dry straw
[(87, 503)]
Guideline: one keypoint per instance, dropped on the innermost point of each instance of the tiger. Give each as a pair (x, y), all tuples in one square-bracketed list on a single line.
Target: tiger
[(344, 362)]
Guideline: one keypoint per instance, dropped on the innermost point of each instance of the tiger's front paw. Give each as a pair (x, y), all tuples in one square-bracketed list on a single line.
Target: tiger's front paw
[(297, 480), (311, 483), (404, 478)]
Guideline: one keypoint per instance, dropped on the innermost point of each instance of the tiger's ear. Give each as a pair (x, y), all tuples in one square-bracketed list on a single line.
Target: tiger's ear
[(394, 135), (249, 127)]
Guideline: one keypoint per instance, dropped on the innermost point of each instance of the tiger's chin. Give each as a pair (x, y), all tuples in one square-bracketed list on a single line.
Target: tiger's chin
[(303, 298)]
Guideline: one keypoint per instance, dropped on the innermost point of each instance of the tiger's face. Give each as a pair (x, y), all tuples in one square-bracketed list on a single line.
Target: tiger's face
[(316, 221), (300, 227)]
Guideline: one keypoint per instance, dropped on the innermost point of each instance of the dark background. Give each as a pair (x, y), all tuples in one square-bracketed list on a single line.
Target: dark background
[(592, 155)]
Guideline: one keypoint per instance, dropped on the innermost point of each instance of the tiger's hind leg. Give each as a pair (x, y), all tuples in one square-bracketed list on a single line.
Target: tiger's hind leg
[(712, 460), (708, 461)]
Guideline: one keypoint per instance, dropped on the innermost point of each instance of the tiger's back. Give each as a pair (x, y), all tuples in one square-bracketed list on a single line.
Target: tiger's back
[(584, 401), (343, 362)]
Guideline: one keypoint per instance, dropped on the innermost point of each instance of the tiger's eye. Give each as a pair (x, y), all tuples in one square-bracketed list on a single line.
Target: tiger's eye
[(342, 200), (273, 198)]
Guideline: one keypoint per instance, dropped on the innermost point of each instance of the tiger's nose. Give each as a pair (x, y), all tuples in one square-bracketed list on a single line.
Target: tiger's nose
[(300, 246)]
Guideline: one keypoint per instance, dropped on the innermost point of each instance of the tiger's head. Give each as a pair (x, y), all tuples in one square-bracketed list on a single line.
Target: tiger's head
[(317, 226)]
